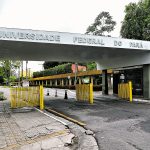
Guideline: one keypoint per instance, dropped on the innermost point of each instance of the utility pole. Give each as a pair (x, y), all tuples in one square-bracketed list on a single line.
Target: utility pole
[(26, 70), (29, 73), (19, 75), (76, 70), (22, 70)]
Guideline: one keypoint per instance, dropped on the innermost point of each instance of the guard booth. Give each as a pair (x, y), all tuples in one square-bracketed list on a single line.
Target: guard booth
[(133, 74)]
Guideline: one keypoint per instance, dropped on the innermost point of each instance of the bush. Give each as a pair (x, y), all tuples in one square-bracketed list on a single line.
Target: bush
[(2, 96), (91, 66), (61, 69)]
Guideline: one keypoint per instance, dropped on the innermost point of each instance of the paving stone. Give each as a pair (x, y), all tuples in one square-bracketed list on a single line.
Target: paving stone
[(87, 141), (34, 146), (89, 132), (55, 127), (3, 143), (89, 148), (32, 133), (67, 139), (51, 143)]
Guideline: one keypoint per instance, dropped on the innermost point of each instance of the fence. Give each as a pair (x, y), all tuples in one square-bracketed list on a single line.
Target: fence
[(84, 92), (27, 96), (125, 91)]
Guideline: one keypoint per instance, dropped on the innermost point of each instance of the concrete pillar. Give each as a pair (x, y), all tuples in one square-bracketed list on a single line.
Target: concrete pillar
[(91, 79), (79, 80), (146, 81), (50, 82), (62, 82), (39, 82), (46, 82), (104, 82), (56, 82), (69, 82)]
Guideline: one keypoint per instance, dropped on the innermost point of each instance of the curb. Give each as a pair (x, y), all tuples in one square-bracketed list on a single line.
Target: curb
[(141, 101), (65, 117), (86, 138)]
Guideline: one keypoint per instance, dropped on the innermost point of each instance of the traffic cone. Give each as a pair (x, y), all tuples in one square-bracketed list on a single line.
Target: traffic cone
[(66, 96), (47, 92)]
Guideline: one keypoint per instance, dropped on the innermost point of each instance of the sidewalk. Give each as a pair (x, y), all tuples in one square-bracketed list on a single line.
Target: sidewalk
[(32, 129), (28, 129)]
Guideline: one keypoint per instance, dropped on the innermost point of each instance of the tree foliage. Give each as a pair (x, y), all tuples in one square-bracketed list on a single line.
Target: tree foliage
[(8, 68), (136, 23), (60, 69), (91, 66), (102, 25), (51, 64)]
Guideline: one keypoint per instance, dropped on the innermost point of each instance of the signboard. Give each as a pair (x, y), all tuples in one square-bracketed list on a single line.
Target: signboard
[(70, 39), (86, 80)]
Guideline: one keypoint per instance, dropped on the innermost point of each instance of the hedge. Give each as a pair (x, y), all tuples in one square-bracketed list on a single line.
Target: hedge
[(61, 69)]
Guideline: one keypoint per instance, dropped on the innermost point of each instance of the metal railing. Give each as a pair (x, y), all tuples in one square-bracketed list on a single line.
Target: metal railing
[(27, 97), (125, 91), (84, 92)]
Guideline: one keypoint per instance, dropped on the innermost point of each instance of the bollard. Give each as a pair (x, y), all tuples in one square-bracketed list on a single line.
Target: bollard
[(66, 96), (56, 93), (47, 92)]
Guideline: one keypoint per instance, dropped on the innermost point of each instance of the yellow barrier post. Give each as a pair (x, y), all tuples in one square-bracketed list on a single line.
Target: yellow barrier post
[(130, 91), (11, 98), (91, 94), (41, 98)]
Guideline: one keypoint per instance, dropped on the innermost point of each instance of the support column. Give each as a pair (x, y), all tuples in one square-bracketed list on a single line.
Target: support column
[(67, 82), (146, 81), (46, 82), (50, 82), (70, 82), (104, 82), (56, 82), (91, 79), (62, 82), (79, 80)]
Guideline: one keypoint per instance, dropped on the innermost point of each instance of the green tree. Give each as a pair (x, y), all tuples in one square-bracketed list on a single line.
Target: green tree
[(51, 64), (8, 69), (91, 66), (102, 25), (136, 23)]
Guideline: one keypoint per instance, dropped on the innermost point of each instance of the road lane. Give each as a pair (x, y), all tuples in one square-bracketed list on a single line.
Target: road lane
[(118, 125)]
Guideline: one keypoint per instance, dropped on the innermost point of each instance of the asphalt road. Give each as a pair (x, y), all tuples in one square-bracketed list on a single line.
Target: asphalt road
[(118, 125)]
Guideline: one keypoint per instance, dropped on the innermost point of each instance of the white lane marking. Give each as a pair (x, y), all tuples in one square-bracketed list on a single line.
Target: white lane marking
[(51, 117)]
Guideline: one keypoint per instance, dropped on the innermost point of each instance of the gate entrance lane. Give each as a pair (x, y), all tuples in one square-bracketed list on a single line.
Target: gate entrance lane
[(109, 53), (115, 123)]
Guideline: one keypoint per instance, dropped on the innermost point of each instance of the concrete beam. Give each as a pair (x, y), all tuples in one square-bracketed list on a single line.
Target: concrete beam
[(146, 81)]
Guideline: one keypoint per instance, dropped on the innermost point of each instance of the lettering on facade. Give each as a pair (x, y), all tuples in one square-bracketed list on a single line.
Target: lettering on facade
[(88, 41), (117, 43), (29, 36), (136, 45)]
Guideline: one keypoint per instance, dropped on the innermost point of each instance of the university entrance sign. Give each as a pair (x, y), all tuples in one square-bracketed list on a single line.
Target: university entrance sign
[(108, 52), (70, 38)]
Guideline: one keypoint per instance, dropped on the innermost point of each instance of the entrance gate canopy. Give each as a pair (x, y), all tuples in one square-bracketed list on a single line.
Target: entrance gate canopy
[(20, 44)]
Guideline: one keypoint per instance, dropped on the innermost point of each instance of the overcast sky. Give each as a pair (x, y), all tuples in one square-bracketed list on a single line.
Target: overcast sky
[(59, 15)]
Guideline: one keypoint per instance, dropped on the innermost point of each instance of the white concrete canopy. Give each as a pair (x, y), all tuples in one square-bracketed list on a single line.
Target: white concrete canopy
[(20, 44)]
